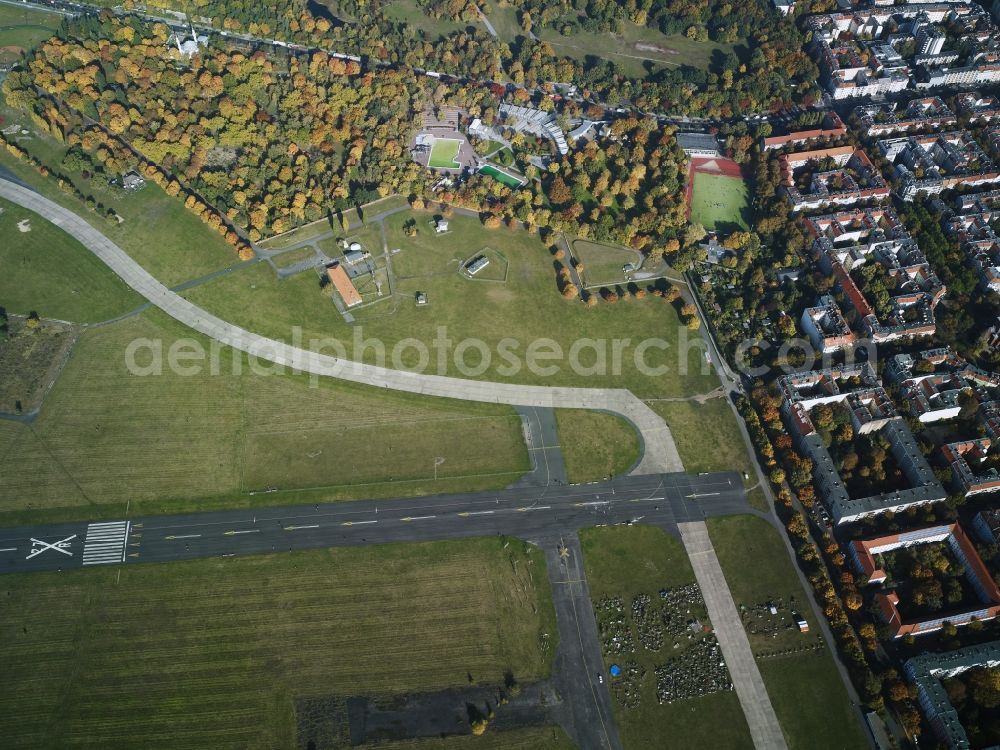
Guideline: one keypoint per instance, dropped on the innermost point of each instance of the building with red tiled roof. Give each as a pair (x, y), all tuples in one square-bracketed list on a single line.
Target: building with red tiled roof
[(863, 555), (343, 284), (833, 127)]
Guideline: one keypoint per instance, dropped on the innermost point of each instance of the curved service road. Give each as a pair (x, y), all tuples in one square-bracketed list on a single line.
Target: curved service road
[(660, 453)]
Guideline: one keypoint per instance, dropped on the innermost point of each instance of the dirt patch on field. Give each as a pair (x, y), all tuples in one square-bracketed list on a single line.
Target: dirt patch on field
[(18, 51), (647, 47), (500, 295), (31, 357)]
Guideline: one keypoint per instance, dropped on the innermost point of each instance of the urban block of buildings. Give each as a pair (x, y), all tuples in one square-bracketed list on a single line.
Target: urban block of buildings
[(826, 327), (864, 556), (845, 241), (840, 176), (974, 107), (963, 457), (871, 410), (928, 164), (886, 48), (927, 672), (928, 113), (972, 225)]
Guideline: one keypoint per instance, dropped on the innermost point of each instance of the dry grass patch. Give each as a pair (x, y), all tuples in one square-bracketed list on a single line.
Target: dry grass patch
[(214, 653)]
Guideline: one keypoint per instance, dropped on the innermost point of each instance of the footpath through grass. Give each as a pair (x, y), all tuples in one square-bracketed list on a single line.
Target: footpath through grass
[(595, 445), (215, 653), (162, 441), (44, 269), (806, 690), (629, 560)]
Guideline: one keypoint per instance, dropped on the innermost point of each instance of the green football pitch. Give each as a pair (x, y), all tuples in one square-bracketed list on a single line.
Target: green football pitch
[(719, 202), (443, 153)]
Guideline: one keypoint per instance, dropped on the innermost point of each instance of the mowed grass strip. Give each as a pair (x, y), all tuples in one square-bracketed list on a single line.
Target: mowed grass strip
[(443, 153), (706, 434), (603, 264), (214, 653), (806, 690), (595, 445), (25, 27), (535, 738), (107, 436), (527, 308), (48, 271), (720, 202), (629, 560)]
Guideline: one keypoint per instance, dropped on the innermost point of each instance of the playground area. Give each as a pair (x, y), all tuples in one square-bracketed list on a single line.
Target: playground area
[(717, 195)]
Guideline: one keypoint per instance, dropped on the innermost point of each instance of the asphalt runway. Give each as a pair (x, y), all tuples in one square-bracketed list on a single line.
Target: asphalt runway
[(527, 513)]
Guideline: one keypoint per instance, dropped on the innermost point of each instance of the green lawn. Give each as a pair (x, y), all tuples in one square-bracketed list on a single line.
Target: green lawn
[(720, 203), (215, 653), (536, 738), (595, 445), (629, 560), (504, 20), (408, 12), (25, 27), (164, 441), (162, 235), (707, 436), (48, 271), (444, 153), (602, 264), (637, 50), (805, 688), (527, 308), (307, 232)]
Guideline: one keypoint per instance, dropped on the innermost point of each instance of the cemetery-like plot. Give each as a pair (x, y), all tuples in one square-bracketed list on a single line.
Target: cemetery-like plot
[(669, 632)]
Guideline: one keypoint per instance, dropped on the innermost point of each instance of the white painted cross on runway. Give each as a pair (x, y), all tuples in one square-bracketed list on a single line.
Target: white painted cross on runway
[(105, 543), (63, 545)]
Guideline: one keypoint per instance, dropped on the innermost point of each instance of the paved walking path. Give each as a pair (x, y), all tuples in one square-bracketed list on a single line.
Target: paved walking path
[(660, 452), (763, 722)]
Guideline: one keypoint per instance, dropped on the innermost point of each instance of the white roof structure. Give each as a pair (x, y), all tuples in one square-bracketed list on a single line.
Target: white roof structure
[(537, 122)]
